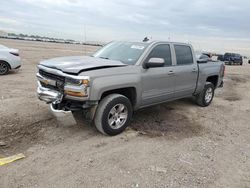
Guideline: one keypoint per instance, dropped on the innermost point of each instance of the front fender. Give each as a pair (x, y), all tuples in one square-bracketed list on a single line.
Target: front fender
[(103, 84)]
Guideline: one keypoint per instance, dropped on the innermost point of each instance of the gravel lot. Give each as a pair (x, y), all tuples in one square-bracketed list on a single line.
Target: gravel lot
[(177, 144)]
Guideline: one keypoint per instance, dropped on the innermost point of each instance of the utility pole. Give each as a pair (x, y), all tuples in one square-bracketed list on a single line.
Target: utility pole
[(85, 39)]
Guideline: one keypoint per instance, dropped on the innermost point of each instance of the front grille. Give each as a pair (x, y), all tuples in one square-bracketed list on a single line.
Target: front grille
[(60, 80), (51, 76), (51, 87)]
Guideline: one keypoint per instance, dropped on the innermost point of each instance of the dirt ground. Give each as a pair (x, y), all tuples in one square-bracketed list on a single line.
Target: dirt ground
[(177, 144)]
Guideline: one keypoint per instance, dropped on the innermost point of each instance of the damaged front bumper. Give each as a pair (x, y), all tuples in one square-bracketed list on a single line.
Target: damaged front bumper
[(64, 92), (48, 95)]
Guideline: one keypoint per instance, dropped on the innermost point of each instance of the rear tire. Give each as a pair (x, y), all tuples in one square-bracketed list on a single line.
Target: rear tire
[(206, 96), (113, 114), (4, 68)]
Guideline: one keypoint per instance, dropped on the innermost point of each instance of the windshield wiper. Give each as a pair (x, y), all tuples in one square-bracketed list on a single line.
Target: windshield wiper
[(104, 57)]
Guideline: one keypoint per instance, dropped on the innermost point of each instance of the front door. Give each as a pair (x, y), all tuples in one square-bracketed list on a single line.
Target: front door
[(158, 83)]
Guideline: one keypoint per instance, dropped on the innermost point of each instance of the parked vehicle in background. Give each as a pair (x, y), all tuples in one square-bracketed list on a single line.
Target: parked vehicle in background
[(233, 58), (9, 59), (220, 57), (125, 76)]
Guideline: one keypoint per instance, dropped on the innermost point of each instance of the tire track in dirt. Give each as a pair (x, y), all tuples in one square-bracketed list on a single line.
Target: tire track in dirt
[(167, 121)]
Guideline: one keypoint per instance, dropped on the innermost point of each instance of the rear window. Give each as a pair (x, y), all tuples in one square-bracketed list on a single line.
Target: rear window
[(183, 55)]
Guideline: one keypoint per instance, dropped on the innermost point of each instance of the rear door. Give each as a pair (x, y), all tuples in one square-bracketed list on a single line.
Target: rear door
[(158, 83), (186, 71)]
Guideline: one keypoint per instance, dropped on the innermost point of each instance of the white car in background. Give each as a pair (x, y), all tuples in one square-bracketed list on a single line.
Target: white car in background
[(9, 59)]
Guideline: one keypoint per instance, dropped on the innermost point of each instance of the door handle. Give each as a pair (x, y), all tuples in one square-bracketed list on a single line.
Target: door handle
[(170, 72), (194, 70)]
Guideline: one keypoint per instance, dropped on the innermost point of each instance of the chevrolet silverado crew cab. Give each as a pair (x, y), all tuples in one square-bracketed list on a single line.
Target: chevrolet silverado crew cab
[(125, 76)]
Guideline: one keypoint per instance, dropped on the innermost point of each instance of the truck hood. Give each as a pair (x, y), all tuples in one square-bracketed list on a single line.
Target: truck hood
[(78, 64)]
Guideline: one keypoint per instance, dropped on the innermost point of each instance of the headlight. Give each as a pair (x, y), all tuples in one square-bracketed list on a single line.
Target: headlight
[(76, 87), (77, 82)]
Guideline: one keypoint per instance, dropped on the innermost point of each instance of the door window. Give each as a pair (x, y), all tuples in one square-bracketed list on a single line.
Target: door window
[(162, 51), (183, 55)]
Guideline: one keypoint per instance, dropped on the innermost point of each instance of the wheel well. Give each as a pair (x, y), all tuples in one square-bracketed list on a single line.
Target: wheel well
[(6, 63), (129, 92), (213, 80)]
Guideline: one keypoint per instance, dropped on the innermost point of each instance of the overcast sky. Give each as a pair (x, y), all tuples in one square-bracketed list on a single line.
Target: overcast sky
[(216, 25)]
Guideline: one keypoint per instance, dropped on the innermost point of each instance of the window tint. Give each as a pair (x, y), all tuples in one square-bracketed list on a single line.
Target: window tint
[(183, 55), (161, 51)]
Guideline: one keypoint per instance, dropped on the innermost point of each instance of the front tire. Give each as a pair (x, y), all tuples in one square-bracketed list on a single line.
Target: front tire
[(4, 68), (206, 96), (113, 114)]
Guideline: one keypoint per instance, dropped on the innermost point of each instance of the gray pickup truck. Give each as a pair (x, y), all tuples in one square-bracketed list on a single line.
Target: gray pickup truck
[(125, 76)]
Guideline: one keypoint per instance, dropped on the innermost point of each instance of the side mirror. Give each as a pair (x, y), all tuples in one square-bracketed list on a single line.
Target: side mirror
[(154, 62)]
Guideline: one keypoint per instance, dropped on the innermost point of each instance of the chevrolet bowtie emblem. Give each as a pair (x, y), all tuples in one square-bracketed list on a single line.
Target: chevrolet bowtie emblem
[(48, 82)]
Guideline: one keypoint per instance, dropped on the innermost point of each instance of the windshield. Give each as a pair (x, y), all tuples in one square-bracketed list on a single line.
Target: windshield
[(126, 52)]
